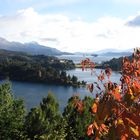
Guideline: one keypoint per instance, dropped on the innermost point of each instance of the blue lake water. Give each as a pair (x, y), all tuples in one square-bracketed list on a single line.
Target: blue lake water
[(78, 58), (90, 77), (32, 93)]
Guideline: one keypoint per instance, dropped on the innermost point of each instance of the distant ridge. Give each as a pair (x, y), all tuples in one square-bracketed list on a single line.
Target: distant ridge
[(114, 52), (107, 52), (31, 48)]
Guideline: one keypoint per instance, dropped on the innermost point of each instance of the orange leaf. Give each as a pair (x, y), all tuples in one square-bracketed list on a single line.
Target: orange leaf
[(94, 108), (103, 128), (124, 137), (117, 96)]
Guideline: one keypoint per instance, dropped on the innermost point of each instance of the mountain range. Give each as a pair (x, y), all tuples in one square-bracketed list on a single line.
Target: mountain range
[(114, 52), (108, 52), (37, 49), (31, 48)]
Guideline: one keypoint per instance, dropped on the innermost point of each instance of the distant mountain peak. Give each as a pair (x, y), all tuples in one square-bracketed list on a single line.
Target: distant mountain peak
[(32, 42), (3, 39), (112, 51), (31, 47), (107, 50)]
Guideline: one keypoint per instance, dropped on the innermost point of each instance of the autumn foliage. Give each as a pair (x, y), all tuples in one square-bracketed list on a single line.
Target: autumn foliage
[(113, 113), (116, 109)]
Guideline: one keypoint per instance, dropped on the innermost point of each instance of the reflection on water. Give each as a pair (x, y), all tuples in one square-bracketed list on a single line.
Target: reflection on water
[(32, 93), (90, 77)]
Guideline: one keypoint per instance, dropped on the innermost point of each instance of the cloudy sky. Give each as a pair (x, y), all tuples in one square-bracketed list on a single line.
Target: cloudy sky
[(72, 25)]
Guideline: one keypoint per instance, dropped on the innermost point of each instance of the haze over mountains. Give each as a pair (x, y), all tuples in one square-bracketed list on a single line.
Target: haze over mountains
[(36, 49), (31, 47), (108, 52), (115, 52)]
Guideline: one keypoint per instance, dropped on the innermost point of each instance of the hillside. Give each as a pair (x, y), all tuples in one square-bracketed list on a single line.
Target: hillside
[(115, 63), (32, 48), (42, 60), (20, 66)]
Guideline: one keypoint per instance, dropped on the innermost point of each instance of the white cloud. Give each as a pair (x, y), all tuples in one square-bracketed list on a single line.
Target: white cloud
[(69, 35)]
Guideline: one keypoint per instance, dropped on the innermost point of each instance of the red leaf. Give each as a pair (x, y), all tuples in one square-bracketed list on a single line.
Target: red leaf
[(108, 72), (90, 87), (90, 130)]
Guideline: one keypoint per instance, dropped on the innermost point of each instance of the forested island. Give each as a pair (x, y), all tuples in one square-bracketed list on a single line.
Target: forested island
[(20, 66), (115, 64)]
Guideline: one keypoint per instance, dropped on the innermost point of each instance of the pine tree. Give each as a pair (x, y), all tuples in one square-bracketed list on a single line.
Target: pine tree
[(12, 113)]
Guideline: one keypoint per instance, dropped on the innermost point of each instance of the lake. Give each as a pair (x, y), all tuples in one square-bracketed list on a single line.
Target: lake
[(78, 58), (32, 93)]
